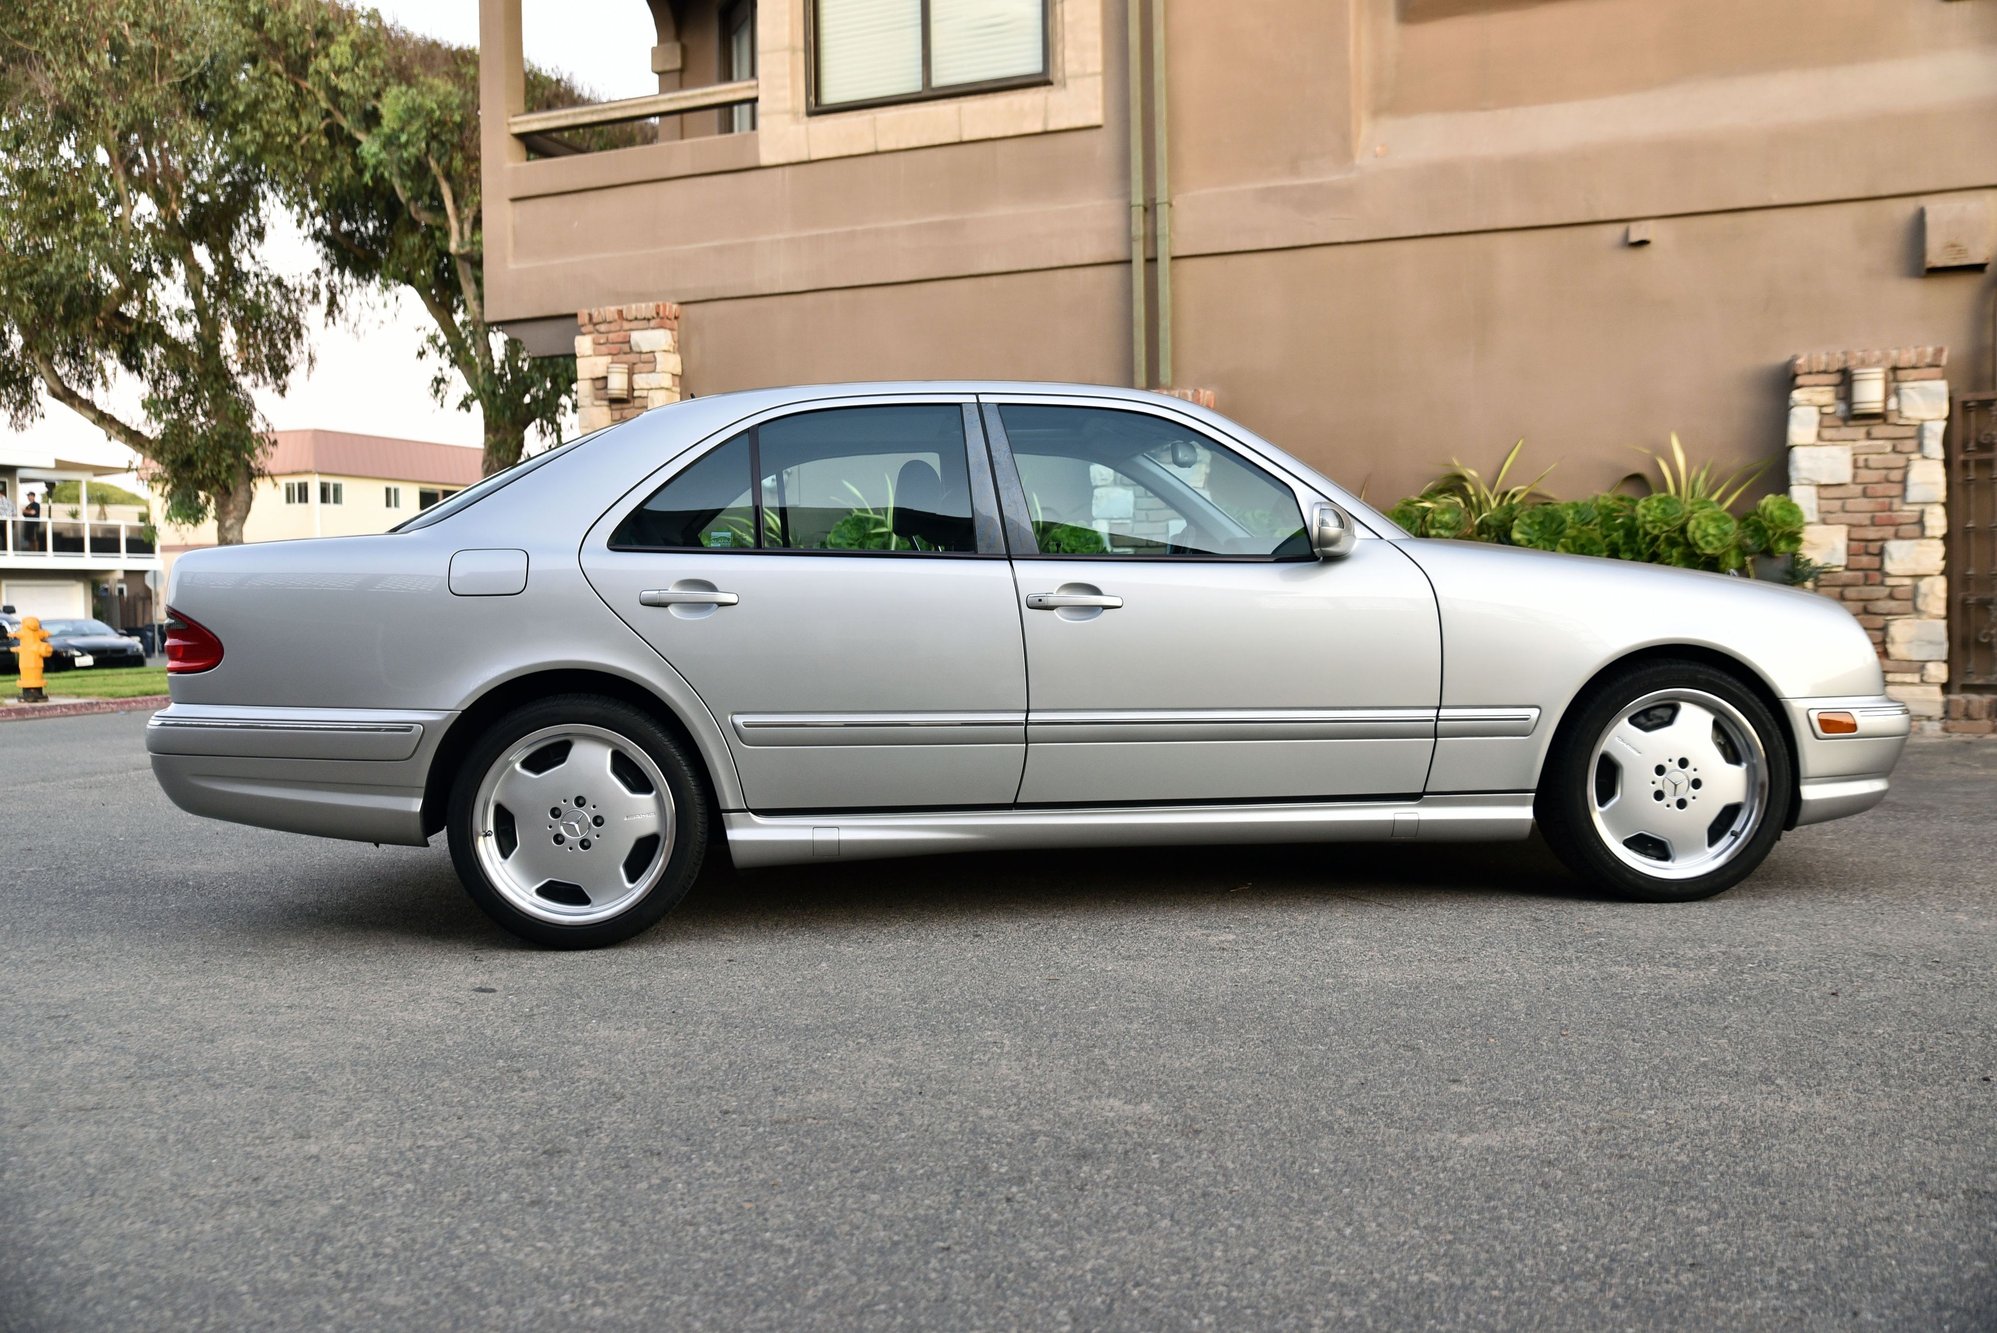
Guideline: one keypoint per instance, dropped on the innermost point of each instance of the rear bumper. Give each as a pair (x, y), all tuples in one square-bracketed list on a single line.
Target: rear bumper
[(1844, 775), (330, 772)]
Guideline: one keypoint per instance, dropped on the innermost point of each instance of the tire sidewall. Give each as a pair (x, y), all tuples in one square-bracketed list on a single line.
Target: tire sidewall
[(689, 818), (1563, 803)]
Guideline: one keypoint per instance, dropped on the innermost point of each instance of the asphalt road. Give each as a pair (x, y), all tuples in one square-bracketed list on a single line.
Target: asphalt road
[(249, 1080)]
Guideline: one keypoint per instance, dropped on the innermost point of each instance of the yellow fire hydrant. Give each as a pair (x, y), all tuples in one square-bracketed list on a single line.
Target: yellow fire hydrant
[(34, 647)]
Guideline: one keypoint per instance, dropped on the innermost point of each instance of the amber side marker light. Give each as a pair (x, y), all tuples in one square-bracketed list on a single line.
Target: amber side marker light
[(1837, 724)]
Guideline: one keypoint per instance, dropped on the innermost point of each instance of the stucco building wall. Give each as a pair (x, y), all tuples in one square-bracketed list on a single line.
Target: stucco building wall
[(1400, 226)]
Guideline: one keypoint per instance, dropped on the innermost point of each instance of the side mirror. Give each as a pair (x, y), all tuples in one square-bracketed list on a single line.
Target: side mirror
[(1332, 533), (1184, 453)]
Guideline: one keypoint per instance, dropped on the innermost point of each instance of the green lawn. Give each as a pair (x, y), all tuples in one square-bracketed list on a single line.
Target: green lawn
[(91, 683)]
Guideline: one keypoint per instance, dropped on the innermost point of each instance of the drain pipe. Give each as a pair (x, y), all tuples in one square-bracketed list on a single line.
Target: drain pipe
[(1139, 375), (1159, 119)]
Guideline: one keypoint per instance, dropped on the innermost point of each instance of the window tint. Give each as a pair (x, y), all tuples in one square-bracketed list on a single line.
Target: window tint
[(867, 479), (1104, 482), (706, 505), (844, 479)]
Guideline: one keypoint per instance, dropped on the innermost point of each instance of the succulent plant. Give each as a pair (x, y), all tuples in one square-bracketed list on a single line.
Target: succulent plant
[(1686, 524), (1710, 529), (1660, 513)]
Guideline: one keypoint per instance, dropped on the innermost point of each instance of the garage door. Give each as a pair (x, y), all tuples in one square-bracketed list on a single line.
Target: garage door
[(51, 599)]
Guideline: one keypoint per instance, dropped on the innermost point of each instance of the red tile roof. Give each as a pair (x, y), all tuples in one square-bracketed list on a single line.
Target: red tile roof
[(340, 454)]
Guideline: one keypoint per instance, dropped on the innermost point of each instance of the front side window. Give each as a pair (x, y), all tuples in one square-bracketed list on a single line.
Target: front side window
[(1102, 482), (879, 479), (870, 51)]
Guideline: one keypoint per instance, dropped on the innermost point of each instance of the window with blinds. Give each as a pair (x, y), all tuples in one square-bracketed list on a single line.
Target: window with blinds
[(871, 51)]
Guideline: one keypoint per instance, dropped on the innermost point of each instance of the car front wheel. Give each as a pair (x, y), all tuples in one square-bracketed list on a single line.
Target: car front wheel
[(577, 821), (1669, 782)]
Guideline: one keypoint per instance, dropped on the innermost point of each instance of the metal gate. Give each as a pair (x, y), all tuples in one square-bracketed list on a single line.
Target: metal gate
[(1972, 556)]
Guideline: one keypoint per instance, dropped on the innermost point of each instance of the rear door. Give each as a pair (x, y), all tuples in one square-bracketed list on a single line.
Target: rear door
[(833, 583), (1182, 643)]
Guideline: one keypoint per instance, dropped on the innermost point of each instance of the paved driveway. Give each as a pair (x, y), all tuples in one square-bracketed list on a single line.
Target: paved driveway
[(248, 1079)]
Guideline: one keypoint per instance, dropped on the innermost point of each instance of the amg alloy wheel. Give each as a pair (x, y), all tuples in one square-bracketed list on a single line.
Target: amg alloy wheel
[(1668, 783), (576, 822)]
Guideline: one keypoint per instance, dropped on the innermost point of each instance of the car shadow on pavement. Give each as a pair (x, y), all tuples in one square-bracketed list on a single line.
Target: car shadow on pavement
[(416, 897), (1111, 881)]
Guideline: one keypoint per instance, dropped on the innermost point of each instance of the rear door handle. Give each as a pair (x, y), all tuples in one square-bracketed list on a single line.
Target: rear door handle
[(686, 597), (1054, 601)]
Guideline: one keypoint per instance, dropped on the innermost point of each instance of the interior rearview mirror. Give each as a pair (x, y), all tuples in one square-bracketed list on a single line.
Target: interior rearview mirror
[(1332, 533)]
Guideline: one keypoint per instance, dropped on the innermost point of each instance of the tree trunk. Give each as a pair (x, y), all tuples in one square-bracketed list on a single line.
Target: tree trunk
[(232, 507), (504, 440)]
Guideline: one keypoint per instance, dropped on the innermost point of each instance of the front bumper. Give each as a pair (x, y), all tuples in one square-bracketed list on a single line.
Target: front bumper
[(1839, 775), (330, 772)]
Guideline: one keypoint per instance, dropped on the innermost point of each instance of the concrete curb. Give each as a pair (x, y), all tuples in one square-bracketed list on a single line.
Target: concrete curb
[(19, 712)]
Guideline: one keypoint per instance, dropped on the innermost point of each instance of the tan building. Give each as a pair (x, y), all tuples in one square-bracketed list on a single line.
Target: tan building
[(328, 483), (1382, 232)]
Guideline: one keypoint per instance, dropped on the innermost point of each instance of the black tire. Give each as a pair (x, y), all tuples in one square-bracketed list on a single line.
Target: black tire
[(682, 856), (1587, 775)]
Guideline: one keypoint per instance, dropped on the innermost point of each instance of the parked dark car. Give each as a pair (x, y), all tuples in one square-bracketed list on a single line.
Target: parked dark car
[(91, 643)]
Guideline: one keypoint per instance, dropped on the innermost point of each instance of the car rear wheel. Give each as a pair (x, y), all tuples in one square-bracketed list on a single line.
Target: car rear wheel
[(1669, 782), (577, 822)]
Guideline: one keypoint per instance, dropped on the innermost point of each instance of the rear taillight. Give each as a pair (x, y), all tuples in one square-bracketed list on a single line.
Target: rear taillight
[(189, 646)]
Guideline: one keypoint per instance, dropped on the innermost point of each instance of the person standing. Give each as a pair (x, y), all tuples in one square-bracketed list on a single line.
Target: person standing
[(31, 533)]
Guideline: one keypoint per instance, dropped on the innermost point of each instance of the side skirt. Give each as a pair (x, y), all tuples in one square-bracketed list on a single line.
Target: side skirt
[(773, 840)]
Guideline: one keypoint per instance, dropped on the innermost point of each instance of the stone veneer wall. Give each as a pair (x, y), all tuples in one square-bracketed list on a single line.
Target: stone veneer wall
[(643, 338), (1874, 493)]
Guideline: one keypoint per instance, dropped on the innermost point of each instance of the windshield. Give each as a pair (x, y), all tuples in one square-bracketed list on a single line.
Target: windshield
[(472, 494), (79, 627)]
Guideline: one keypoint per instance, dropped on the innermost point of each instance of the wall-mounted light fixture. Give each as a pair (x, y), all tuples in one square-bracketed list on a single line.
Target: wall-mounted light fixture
[(617, 383), (1868, 391)]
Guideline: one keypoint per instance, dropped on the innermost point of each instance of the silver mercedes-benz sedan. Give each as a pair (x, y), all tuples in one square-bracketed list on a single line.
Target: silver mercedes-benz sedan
[(878, 620)]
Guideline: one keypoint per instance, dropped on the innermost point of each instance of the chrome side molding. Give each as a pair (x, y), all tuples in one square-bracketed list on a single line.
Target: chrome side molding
[(774, 840), (1485, 722)]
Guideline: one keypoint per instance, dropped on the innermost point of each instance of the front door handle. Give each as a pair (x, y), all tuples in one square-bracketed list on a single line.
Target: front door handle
[(1055, 601), (686, 597)]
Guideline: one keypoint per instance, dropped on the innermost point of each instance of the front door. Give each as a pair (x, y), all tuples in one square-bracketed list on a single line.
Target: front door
[(1182, 643), (833, 585)]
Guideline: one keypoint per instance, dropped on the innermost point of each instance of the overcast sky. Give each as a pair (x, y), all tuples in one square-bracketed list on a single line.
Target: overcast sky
[(367, 376)]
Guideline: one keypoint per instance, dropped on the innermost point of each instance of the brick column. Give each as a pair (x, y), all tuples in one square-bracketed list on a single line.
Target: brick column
[(1874, 493), (627, 360)]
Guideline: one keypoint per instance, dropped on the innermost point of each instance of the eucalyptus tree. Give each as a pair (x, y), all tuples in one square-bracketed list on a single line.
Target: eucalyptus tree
[(133, 213), (375, 131)]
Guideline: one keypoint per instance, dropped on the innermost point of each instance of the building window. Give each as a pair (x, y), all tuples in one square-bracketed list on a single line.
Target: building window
[(297, 492), (391, 496), (427, 496), (738, 57), (866, 52), (332, 493)]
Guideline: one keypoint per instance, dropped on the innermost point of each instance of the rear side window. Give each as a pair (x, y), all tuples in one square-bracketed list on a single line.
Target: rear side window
[(707, 505), (877, 479)]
